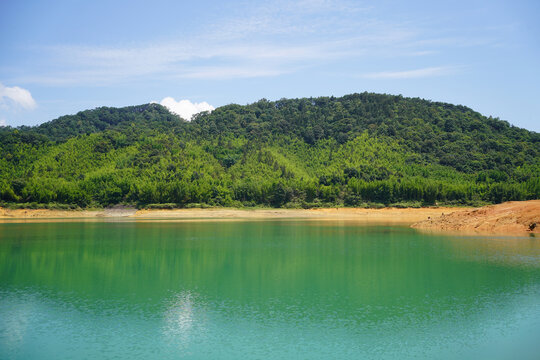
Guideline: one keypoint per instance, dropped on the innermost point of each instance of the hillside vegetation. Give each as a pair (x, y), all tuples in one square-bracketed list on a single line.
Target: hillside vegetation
[(358, 150)]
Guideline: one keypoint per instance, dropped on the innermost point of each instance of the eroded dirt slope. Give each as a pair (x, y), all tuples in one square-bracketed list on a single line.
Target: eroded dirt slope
[(509, 217)]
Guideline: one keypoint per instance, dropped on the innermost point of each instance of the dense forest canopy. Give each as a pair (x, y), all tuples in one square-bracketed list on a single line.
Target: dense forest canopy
[(358, 150)]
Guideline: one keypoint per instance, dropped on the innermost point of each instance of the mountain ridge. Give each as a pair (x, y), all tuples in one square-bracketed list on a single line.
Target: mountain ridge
[(352, 150)]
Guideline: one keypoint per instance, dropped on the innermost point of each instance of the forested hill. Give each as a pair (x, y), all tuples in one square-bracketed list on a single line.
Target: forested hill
[(358, 150)]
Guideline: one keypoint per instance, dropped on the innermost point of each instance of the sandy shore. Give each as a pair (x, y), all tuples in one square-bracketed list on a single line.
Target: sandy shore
[(513, 217), (387, 215), (509, 218)]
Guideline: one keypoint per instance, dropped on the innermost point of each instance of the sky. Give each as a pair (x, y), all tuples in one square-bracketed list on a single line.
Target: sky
[(59, 57)]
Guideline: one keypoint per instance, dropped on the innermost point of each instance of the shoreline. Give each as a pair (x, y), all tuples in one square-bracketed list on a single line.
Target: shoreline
[(510, 218), (405, 216)]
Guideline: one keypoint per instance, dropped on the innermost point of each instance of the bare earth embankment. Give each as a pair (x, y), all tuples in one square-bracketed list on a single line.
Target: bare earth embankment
[(386, 215), (507, 218)]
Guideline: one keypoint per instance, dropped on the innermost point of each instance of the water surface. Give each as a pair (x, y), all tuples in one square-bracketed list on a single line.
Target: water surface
[(264, 290)]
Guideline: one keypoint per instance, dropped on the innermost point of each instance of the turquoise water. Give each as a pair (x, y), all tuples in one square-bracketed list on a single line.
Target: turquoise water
[(264, 290)]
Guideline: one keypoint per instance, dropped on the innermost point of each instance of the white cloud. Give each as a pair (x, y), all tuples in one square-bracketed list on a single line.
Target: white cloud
[(3, 122), (16, 96), (410, 74), (185, 108)]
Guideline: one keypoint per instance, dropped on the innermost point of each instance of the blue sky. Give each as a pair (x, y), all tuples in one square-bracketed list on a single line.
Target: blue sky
[(60, 57)]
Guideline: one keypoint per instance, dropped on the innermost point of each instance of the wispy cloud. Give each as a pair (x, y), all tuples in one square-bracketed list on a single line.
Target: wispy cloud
[(233, 72), (411, 74), (264, 40), (104, 66)]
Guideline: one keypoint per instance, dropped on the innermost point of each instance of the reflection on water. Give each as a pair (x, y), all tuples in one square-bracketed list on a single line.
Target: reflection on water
[(183, 316), (275, 289), (15, 319)]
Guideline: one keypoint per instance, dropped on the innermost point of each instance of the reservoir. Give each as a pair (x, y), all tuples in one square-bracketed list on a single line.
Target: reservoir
[(276, 289)]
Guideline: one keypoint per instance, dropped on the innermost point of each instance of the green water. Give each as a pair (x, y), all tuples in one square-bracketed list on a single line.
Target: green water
[(264, 290)]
